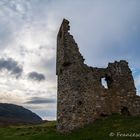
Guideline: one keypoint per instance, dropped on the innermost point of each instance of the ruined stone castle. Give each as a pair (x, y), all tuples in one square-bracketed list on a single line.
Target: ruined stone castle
[(81, 96)]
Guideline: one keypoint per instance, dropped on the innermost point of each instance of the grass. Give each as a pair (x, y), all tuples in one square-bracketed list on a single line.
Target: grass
[(99, 130)]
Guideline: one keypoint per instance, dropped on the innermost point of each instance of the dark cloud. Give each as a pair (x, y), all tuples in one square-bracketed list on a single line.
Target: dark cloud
[(11, 65), (36, 76), (38, 100)]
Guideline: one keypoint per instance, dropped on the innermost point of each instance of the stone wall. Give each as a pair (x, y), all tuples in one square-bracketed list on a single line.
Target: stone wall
[(81, 96)]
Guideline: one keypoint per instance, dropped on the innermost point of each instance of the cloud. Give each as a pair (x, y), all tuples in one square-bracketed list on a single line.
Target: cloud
[(11, 65), (39, 100), (46, 111), (109, 31), (13, 15), (36, 76)]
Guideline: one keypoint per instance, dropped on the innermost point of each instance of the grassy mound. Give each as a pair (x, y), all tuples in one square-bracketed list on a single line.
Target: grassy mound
[(115, 127)]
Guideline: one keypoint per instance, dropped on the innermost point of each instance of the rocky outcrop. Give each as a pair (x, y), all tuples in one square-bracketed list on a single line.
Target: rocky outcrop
[(82, 98)]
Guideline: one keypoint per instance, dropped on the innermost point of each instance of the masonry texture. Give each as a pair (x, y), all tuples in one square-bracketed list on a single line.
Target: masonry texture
[(81, 96)]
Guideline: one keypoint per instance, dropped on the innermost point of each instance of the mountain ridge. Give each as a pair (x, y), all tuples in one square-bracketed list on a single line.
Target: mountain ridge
[(15, 114)]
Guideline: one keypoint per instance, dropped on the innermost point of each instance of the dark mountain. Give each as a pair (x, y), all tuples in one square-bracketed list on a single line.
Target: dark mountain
[(14, 114)]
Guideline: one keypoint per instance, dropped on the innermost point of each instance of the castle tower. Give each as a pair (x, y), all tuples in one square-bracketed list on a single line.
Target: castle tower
[(69, 65), (81, 97)]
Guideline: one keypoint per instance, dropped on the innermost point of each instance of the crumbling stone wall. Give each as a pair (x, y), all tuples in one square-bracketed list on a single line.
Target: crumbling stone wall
[(81, 96)]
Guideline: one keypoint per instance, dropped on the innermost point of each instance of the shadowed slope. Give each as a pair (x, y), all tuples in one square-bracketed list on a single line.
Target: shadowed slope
[(14, 114)]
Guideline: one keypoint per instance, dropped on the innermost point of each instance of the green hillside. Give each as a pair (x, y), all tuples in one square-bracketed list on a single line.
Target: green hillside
[(99, 130)]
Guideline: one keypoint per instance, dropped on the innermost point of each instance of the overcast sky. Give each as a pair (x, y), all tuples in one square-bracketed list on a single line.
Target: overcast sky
[(105, 30)]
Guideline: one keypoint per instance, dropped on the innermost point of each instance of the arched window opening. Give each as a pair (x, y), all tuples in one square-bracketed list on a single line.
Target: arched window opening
[(104, 82)]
